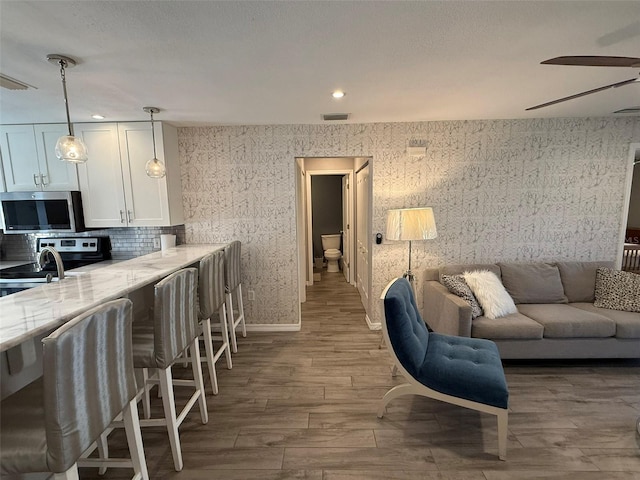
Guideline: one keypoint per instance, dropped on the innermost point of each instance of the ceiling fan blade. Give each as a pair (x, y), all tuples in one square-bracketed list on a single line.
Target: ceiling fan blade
[(594, 61), (582, 94)]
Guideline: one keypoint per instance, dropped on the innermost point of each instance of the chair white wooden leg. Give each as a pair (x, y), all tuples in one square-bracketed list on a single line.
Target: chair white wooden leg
[(241, 310), (71, 474), (231, 322), (146, 401), (503, 421), (225, 334), (196, 367), (395, 392), (208, 348), (103, 451), (134, 439), (168, 402)]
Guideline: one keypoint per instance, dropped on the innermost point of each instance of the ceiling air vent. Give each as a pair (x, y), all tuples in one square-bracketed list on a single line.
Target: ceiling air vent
[(329, 117), (629, 110), (12, 83)]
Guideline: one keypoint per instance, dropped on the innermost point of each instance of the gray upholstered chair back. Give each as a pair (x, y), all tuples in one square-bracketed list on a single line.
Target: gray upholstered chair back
[(175, 315), (88, 379), (232, 276), (211, 284)]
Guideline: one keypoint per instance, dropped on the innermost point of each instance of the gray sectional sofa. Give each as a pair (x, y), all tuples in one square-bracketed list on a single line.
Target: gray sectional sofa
[(556, 315)]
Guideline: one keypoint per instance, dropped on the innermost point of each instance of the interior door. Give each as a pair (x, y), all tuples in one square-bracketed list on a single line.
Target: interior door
[(362, 234), (346, 240)]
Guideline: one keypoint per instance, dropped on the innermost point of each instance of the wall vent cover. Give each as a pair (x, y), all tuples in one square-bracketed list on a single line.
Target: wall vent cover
[(328, 117)]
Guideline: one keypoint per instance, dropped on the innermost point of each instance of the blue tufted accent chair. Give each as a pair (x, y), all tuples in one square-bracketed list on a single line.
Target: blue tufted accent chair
[(459, 370)]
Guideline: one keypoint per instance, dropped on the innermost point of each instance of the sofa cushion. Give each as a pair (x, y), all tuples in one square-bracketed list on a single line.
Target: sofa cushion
[(579, 279), (459, 269), (533, 282), (627, 323), (617, 290), (565, 321), (456, 285), (511, 326), (490, 292)]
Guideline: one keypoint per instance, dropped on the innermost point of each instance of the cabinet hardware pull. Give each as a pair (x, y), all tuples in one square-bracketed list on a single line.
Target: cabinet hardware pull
[(121, 216), (35, 179), (42, 179), (129, 215)]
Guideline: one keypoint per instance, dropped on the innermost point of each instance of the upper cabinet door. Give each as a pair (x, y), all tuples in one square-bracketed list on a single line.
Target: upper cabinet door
[(19, 158), (56, 175), (146, 198), (29, 161), (101, 177)]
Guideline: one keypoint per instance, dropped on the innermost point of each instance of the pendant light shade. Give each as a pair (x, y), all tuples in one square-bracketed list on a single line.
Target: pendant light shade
[(68, 148), (154, 167)]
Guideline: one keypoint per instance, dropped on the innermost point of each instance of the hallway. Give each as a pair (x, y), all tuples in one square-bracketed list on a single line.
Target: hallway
[(303, 406)]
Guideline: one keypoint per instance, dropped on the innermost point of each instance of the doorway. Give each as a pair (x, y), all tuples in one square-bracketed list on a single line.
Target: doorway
[(332, 189), (627, 255), (355, 266)]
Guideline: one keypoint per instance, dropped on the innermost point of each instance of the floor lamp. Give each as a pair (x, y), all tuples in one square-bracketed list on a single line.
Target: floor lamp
[(411, 224)]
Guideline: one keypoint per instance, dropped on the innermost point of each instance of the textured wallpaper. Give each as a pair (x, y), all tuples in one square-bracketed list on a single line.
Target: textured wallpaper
[(542, 189)]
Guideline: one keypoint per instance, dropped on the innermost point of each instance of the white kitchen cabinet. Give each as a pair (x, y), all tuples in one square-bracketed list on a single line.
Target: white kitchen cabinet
[(116, 191), (29, 160)]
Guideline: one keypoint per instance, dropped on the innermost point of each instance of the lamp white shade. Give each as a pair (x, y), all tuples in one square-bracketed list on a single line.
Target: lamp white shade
[(411, 224)]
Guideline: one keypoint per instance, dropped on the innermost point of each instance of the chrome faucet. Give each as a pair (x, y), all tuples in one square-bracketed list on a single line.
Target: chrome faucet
[(58, 259)]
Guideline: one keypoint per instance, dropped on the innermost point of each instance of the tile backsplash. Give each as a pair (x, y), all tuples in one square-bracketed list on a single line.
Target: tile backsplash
[(125, 242)]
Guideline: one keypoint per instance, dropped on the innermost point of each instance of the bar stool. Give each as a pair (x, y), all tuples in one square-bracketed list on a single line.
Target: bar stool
[(234, 288), (211, 299), (175, 328), (88, 380)]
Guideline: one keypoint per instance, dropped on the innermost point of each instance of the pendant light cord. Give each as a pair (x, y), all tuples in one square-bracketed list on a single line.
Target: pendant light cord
[(64, 91), (153, 136)]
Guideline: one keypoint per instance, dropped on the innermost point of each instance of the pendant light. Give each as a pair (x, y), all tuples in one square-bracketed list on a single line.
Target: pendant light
[(154, 167), (68, 148)]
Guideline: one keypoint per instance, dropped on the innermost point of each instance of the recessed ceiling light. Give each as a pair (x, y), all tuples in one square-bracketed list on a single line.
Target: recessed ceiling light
[(97, 117), (338, 94)]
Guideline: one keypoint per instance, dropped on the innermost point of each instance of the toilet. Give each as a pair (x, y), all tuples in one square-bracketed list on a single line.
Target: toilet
[(331, 247)]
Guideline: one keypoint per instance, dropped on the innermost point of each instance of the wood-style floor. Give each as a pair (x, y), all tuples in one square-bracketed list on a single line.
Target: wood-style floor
[(303, 406)]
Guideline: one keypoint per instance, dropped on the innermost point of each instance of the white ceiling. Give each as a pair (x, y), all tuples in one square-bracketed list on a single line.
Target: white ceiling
[(266, 62)]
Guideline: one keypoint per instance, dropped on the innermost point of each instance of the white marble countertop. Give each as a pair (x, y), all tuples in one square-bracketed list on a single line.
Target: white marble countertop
[(26, 314)]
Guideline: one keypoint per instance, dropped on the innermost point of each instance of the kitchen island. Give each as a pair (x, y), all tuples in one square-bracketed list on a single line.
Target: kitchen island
[(31, 313)]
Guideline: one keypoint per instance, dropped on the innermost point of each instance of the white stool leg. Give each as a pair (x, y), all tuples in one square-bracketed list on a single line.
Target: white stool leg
[(146, 401), (231, 322), (134, 439), (222, 313), (241, 310), (196, 367), (168, 402), (103, 451), (71, 474), (208, 348)]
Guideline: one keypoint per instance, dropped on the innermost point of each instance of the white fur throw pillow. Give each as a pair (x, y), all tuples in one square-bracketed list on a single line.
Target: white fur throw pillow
[(488, 289)]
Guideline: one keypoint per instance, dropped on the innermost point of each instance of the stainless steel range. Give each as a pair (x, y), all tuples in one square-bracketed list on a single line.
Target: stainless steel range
[(75, 252)]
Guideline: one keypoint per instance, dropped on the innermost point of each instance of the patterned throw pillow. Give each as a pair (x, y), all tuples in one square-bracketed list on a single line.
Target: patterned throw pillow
[(457, 286), (617, 290)]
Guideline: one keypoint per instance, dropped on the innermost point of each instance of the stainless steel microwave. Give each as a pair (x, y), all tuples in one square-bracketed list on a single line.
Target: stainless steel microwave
[(34, 212)]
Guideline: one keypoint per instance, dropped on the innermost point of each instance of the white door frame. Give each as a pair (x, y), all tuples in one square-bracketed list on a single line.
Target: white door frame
[(627, 198), (309, 174)]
